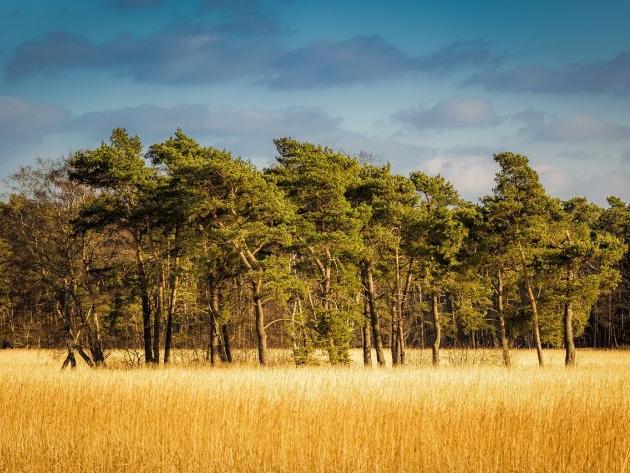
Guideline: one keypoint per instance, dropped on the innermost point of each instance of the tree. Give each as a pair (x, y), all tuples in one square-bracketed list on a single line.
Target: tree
[(316, 180), (72, 266), (611, 312), (435, 236), (384, 199), (519, 214), (185, 245), (584, 260), (500, 264), (118, 172), (241, 209)]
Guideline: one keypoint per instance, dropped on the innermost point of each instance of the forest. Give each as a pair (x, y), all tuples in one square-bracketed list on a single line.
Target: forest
[(153, 248)]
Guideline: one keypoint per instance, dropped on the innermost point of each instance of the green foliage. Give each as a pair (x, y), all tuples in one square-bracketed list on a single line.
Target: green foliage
[(119, 223)]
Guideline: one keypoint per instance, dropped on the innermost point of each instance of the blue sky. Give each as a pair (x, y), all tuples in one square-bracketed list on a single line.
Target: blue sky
[(437, 86)]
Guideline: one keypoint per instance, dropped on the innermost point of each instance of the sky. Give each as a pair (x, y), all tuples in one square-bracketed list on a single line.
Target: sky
[(434, 86)]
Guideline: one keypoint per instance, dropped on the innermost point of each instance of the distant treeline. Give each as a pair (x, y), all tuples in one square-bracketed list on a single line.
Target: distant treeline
[(186, 246)]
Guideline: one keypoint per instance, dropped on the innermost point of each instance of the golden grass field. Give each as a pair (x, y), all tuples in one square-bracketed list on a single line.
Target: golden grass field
[(191, 417)]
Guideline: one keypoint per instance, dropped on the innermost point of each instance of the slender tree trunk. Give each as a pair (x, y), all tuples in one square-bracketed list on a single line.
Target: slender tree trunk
[(402, 306), (393, 339), (250, 262), (437, 330), (219, 329), (85, 356), (96, 347), (157, 316), (569, 344), (365, 337), (534, 307), (397, 313), (218, 345), (535, 326), (146, 304), (213, 311), (377, 339), (261, 335), (168, 339), (505, 345), (567, 322), (70, 358), (213, 342), (225, 329)]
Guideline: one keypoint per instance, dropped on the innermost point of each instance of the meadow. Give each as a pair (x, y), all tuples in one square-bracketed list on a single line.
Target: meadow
[(468, 415)]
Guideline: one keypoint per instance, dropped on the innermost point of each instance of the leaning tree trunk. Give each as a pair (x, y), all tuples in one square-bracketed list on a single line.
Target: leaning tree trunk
[(261, 335), (534, 307), (377, 339), (437, 330), (70, 358), (569, 344), (535, 326), (250, 262), (505, 346)]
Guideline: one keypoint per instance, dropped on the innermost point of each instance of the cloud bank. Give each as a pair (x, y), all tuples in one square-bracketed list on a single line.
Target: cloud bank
[(456, 113)]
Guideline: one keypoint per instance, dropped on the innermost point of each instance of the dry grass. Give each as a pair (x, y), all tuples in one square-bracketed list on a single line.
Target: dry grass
[(193, 418)]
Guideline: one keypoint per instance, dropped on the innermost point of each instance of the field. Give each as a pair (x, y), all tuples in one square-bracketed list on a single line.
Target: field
[(473, 416)]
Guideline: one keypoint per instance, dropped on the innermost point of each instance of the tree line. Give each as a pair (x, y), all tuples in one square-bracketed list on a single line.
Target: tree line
[(180, 245)]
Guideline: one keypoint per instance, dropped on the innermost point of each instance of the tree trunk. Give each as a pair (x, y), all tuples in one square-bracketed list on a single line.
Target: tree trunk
[(534, 307), (168, 339), (225, 329), (261, 335), (157, 316), (85, 356), (402, 306), (146, 304), (213, 342), (437, 330), (365, 337), (377, 339), (536, 328), (213, 311), (397, 313), (96, 346), (569, 344), (505, 345), (70, 359), (250, 262), (393, 340)]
